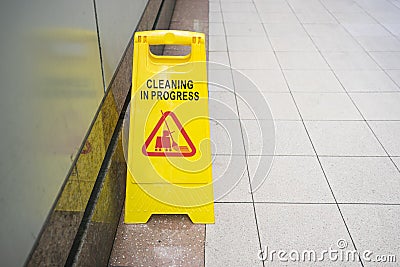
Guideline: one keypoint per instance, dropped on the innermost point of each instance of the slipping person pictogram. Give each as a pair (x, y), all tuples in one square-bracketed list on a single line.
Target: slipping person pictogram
[(165, 144)]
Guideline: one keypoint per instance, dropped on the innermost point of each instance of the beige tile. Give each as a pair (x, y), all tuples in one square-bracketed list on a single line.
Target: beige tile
[(378, 106), (374, 228), (326, 106), (292, 179), (232, 240), (301, 227), (363, 180), (388, 133), (312, 81), (343, 138)]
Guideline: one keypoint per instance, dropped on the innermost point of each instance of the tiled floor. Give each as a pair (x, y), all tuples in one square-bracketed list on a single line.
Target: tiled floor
[(329, 71)]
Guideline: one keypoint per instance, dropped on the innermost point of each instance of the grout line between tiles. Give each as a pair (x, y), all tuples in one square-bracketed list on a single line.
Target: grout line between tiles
[(317, 155), (379, 23), (310, 203), (319, 161), (369, 55), (204, 246), (241, 130), (283, 120), (305, 155)]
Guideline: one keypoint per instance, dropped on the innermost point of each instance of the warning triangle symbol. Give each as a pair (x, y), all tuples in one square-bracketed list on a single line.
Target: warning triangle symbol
[(166, 145)]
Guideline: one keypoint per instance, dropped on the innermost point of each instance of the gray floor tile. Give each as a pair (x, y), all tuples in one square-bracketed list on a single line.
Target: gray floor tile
[(244, 29), (217, 43), (378, 106), (353, 18), (219, 88), (396, 161), (282, 106), (253, 60), (216, 28), (316, 17), (337, 44), (240, 192), (375, 7), (302, 227), (285, 30), (301, 61), (374, 228), (394, 28), (215, 17), (236, 1), (372, 29), (342, 6), (243, 43), (214, 7), (350, 61), (395, 75), (343, 138), (366, 81), (387, 60), (326, 29), (238, 7), (292, 179), (312, 81), (363, 180), (279, 17), (219, 60), (222, 78), (253, 106), (395, 2), (379, 43), (322, 37), (260, 80), (230, 179), (222, 105), (292, 43), (259, 137), (388, 133), (290, 138), (226, 137), (326, 106), (242, 17), (272, 7), (346, 17), (310, 6), (232, 240), (357, 50), (259, 167), (387, 17)]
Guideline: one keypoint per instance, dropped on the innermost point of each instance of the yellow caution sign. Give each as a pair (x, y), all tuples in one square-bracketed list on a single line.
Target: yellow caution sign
[(169, 152)]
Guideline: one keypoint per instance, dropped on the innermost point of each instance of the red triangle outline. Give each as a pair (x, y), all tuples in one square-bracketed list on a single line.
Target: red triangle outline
[(168, 153)]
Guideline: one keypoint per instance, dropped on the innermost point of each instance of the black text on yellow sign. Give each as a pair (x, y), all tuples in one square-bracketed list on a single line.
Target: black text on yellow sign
[(170, 90)]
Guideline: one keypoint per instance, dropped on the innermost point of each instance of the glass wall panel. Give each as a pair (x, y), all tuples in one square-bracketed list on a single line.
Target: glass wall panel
[(116, 25), (51, 87)]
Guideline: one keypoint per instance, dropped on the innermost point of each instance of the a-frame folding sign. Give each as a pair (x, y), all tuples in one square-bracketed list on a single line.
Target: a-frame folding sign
[(169, 151)]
